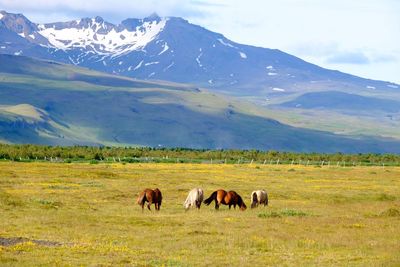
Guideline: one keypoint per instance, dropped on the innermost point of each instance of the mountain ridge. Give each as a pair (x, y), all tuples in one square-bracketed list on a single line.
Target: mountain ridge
[(172, 49)]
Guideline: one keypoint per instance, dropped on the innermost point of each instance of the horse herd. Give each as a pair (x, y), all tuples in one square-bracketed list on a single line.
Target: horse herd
[(196, 196)]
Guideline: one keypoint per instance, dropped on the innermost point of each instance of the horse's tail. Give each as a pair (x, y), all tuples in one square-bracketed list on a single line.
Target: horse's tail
[(211, 198), (142, 198)]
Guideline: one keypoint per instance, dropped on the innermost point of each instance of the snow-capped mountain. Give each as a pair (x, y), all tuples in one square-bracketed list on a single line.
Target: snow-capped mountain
[(172, 49)]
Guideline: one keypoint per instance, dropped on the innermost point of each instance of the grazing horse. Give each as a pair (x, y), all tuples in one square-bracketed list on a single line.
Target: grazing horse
[(151, 196), (259, 197), (227, 198), (195, 197)]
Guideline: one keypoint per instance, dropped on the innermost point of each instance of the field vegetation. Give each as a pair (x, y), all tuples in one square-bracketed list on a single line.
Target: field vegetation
[(85, 214), (97, 154)]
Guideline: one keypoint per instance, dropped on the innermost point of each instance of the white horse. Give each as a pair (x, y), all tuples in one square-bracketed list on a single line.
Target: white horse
[(259, 197), (195, 197)]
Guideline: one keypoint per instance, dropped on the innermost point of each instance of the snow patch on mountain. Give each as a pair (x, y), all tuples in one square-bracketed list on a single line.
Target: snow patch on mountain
[(225, 44), (392, 86), (278, 89), (272, 73), (101, 39), (151, 63), (138, 65), (169, 66), (242, 55), (165, 48), (198, 59)]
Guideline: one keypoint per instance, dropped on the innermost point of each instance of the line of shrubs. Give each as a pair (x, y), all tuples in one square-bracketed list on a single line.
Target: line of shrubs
[(182, 155)]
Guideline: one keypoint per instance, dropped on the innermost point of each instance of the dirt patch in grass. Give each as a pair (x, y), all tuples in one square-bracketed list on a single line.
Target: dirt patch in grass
[(200, 232), (11, 241)]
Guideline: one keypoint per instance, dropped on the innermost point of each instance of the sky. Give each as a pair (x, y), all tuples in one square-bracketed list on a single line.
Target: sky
[(361, 37)]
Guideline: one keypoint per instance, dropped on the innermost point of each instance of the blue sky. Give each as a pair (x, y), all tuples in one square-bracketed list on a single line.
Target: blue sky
[(361, 37)]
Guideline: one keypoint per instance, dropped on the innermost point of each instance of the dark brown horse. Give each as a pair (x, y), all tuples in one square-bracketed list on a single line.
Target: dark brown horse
[(227, 198), (150, 196)]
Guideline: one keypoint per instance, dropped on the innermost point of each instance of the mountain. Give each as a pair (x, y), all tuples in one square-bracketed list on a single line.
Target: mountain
[(279, 86), (46, 102), (173, 49)]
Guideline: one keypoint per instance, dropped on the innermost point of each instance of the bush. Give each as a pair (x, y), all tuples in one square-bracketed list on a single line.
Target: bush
[(282, 213)]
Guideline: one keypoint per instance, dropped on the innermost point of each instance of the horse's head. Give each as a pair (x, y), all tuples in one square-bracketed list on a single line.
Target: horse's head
[(241, 203), (186, 205)]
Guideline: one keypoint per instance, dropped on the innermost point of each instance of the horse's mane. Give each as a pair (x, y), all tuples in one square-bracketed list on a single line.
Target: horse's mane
[(211, 198), (240, 200)]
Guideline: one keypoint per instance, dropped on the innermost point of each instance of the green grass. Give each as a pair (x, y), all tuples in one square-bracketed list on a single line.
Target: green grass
[(114, 110), (282, 213), (85, 214)]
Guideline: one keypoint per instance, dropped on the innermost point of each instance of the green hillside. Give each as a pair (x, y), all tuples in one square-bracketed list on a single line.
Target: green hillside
[(50, 103)]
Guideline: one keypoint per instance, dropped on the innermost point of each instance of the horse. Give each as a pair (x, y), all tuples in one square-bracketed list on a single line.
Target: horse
[(259, 197), (195, 197), (150, 196), (227, 198)]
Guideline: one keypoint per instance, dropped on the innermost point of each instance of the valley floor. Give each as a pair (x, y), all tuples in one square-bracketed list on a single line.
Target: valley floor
[(85, 214)]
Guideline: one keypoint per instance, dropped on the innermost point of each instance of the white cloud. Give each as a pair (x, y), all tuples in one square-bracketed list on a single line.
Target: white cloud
[(114, 11)]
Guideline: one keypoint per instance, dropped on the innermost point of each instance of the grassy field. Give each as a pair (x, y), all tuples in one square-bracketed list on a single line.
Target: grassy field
[(85, 214)]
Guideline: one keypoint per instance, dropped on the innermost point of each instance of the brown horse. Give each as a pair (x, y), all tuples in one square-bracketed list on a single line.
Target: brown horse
[(227, 198), (151, 196)]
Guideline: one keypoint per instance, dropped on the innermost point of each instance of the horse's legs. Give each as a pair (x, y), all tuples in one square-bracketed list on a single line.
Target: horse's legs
[(142, 206), (230, 206), (148, 205), (216, 205)]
